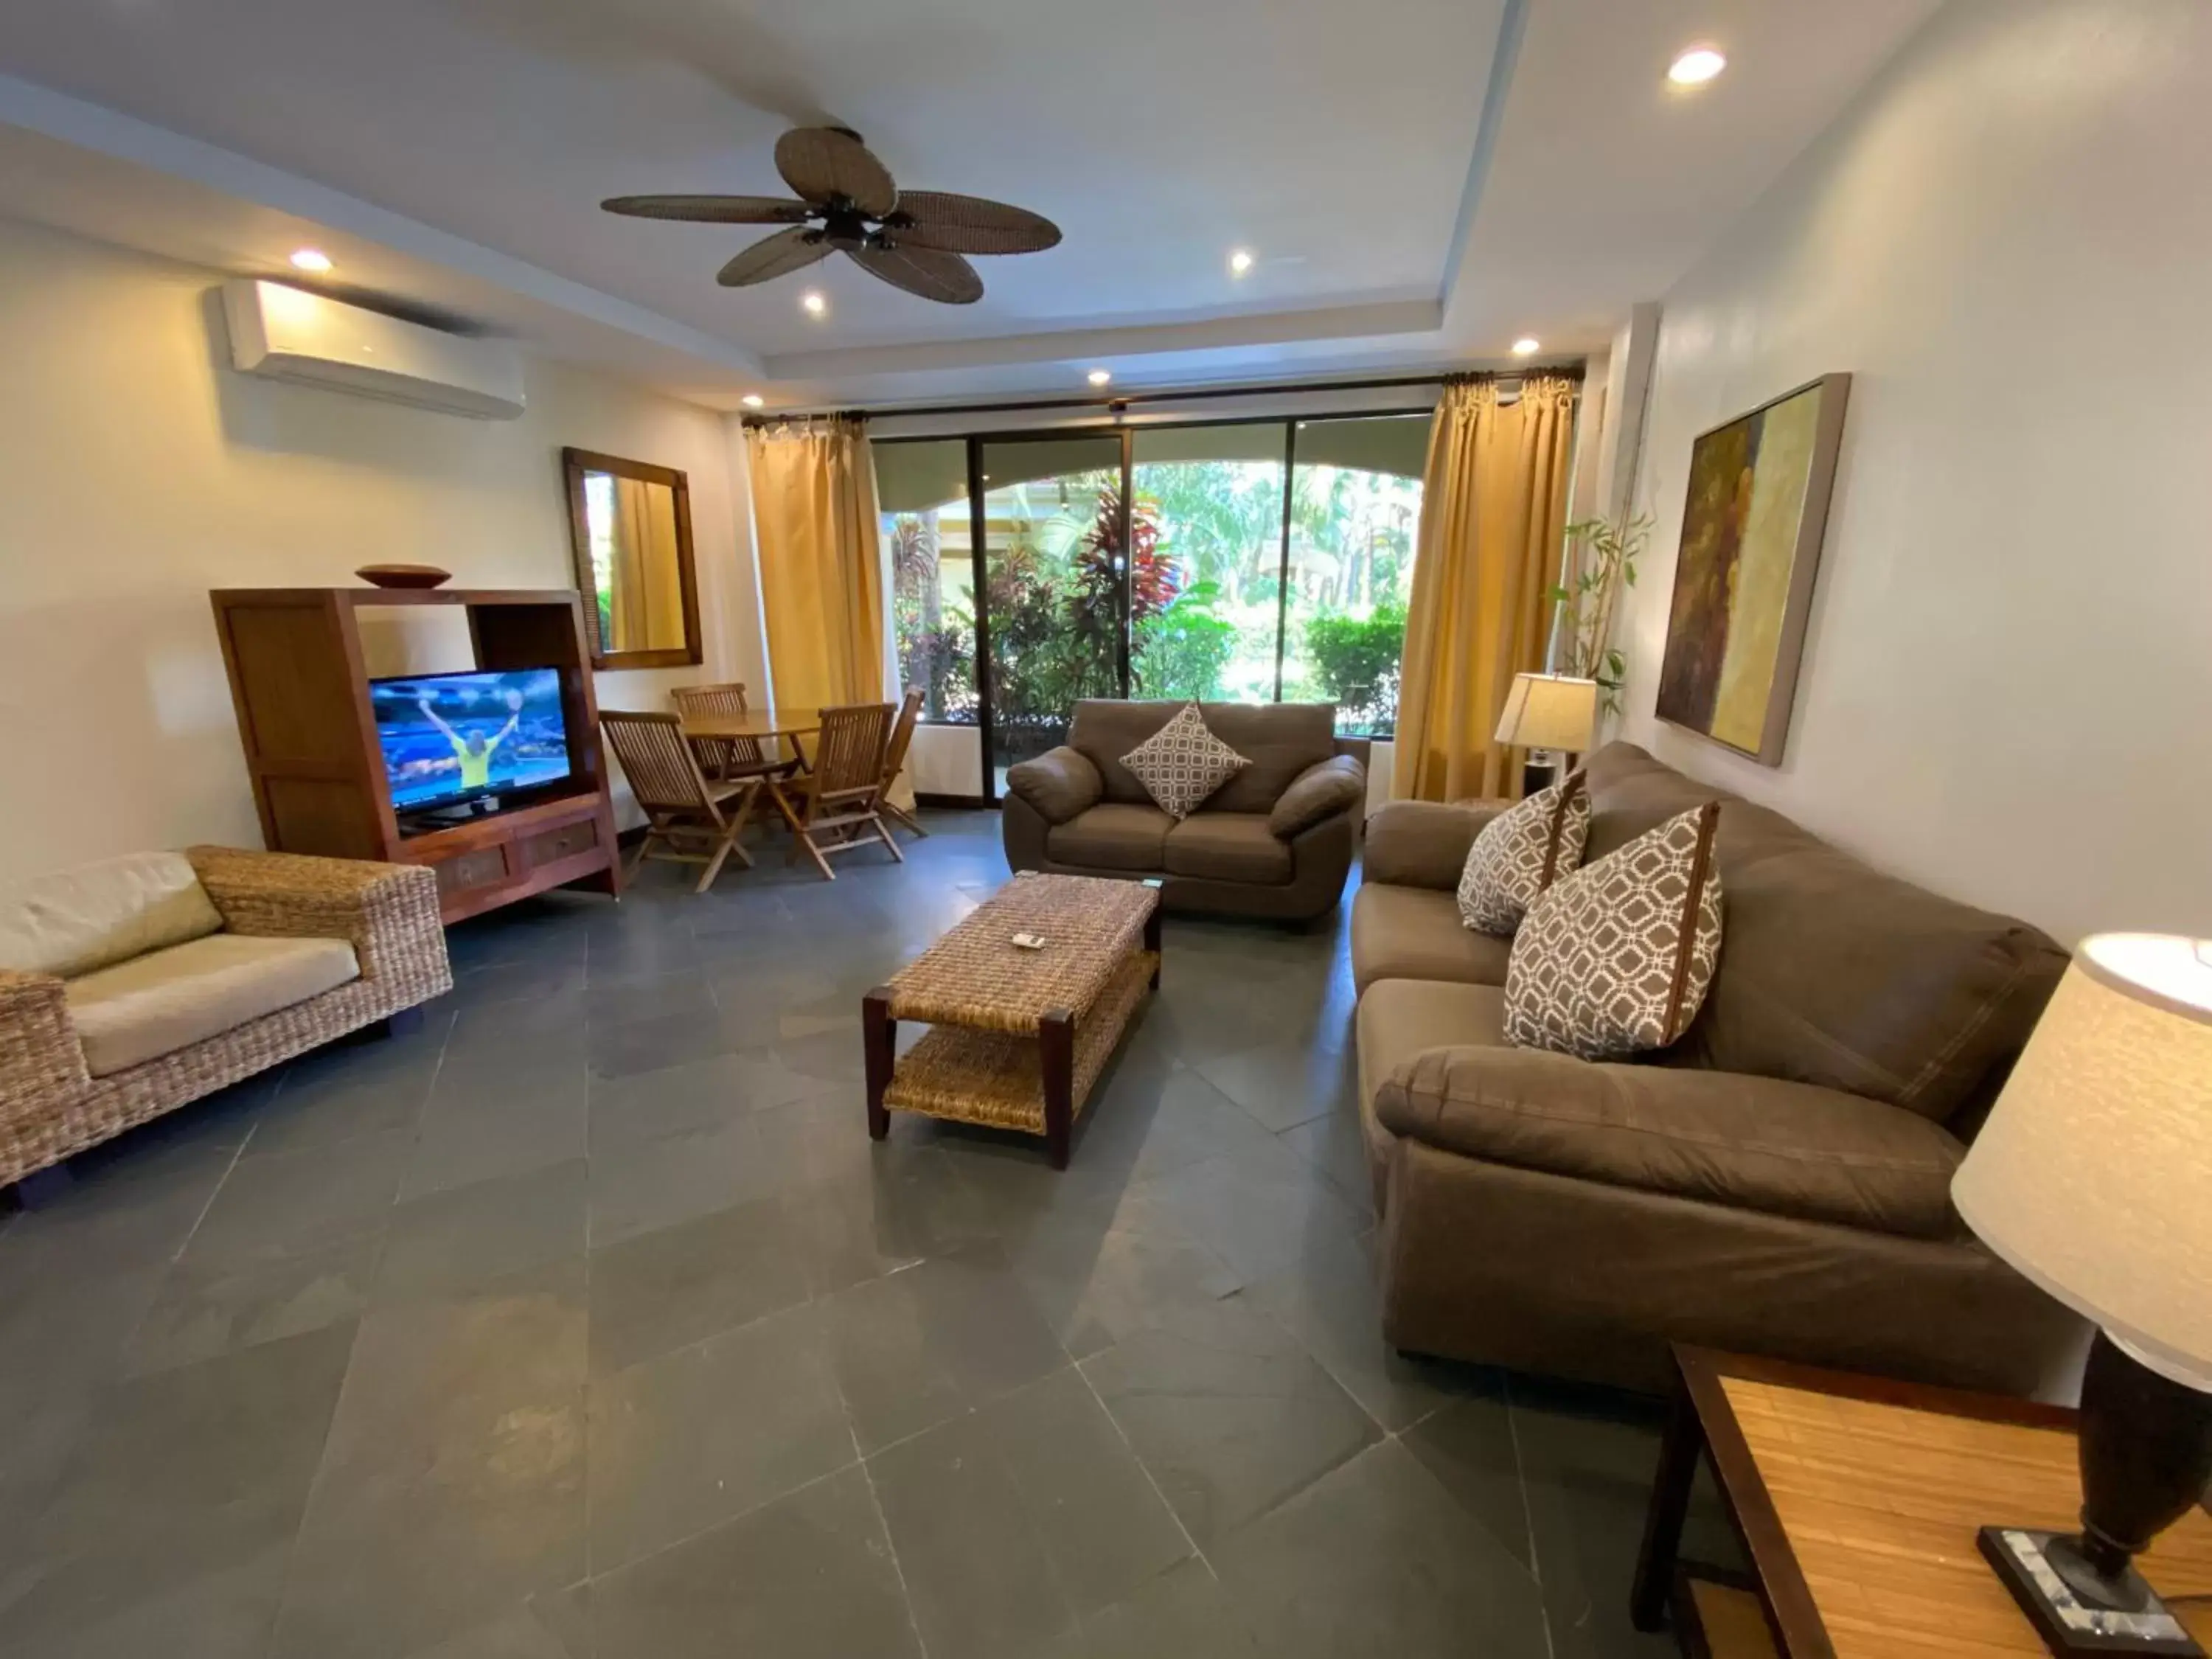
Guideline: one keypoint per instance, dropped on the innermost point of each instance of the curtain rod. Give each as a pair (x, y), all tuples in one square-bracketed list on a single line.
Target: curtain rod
[(1119, 402)]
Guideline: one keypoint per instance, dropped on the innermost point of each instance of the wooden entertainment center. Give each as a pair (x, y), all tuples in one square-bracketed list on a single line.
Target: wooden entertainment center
[(299, 682)]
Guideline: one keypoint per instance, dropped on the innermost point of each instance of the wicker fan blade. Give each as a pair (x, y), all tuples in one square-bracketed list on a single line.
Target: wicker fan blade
[(821, 163), (711, 210), (774, 256), (942, 276), (969, 224)]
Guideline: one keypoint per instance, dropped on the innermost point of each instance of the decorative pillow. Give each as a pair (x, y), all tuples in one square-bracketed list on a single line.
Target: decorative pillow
[(1521, 851), (1615, 959), (1182, 763)]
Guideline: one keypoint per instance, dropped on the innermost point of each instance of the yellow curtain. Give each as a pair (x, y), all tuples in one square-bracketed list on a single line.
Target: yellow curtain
[(1493, 520), (821, 575), (648, 574)]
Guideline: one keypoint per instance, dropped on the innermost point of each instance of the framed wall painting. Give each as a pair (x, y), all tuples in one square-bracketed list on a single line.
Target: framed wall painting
[(1752, 526)]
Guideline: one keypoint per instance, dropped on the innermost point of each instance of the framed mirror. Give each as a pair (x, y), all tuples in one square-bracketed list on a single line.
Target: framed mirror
[(629, 524)]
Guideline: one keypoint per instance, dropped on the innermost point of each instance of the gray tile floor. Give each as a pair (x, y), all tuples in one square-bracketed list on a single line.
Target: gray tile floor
[(586, 1323)]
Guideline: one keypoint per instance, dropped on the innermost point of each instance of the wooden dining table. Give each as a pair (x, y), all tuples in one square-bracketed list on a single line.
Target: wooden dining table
[(761, 723), (768, 726)]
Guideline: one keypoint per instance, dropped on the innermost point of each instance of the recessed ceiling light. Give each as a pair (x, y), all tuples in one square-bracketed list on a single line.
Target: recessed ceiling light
[(311, 258), (1527, 346), (1100, 376), (1696, 66), (1239, 262), (752, 400), (815, 304)]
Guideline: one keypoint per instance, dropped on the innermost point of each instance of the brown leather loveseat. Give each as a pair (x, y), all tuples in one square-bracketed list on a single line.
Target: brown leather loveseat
[(1275, 841), (1776, 1182)]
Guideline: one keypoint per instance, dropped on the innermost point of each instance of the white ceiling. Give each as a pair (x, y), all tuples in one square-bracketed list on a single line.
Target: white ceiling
[(1422, 181)]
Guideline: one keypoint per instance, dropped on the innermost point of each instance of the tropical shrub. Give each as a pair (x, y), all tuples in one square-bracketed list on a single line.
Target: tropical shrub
[(1180, 650), (1355, 659)]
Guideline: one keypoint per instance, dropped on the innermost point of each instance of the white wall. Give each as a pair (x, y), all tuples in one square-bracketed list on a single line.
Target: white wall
[(2006, 241), (137, 471)]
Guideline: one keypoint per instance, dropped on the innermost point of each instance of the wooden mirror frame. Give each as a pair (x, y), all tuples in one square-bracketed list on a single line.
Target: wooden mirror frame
[(575, 464)]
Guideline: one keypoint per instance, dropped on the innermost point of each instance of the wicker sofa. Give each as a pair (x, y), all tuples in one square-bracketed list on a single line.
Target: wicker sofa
[(131, 986)]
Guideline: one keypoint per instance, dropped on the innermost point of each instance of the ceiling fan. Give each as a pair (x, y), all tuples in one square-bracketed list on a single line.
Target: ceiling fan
[(912, 239)]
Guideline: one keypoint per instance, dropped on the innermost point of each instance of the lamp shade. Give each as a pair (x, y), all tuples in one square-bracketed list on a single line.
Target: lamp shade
[(2094, 1174), (1549, 711)]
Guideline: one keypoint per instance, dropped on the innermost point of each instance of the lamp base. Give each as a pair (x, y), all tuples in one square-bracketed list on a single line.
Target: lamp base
[(2037, 1568), (1543, 768)]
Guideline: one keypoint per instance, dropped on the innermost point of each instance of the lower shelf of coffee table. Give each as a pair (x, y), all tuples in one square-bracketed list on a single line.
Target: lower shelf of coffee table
[(996, 1079), (1716, 1619)]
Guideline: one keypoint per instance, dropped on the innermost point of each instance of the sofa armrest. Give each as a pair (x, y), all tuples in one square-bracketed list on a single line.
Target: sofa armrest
[(1749, 1143), (41, 1059), (1337, 784), (388, 912), (1423, 843), (1061, 784)]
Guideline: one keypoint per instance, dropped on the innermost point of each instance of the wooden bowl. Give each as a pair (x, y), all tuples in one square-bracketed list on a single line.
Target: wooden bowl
[(403, 575)]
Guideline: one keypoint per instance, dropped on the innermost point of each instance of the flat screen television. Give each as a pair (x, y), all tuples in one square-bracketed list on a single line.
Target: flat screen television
[(453, 737)]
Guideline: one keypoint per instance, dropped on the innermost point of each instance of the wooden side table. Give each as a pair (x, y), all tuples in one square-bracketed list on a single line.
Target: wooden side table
[(1857, 1501)]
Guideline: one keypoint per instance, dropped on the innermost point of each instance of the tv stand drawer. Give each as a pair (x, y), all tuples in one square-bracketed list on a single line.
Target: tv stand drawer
[(466, 869), (564, 841)]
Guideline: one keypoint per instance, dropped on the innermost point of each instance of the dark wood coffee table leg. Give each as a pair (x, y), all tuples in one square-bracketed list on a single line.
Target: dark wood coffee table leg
[(1679, 1452), (1056, 1053), (878, 1030), (1152, 928)]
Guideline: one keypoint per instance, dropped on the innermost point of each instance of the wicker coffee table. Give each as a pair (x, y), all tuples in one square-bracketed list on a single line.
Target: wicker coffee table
[(1019, 1036)]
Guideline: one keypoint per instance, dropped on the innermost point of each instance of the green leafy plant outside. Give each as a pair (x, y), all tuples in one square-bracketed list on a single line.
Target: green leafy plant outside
[(1356, 660), (1180, 651)]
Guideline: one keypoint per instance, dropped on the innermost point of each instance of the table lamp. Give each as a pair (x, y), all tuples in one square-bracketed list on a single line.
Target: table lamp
[(1552, 716), (2093, 1178)]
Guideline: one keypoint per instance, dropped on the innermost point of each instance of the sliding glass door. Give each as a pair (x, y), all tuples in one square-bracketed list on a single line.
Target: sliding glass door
[(1054, 595), (1209, 534), (1355, 507), (1251, 561)]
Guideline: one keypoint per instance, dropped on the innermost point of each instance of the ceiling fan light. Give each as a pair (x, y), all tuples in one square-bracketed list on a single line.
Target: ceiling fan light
[(815, 304)]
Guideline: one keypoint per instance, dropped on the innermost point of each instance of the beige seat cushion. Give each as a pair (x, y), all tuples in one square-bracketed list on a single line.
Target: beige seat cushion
[(156, 1004), (1415, 933), (75, 920), (1111, 837), (1228, 847)]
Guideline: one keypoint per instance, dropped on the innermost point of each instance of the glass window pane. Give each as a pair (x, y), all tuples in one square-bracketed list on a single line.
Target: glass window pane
[(922, 488), (1355, 506), (1208, 530), (1052, 560)]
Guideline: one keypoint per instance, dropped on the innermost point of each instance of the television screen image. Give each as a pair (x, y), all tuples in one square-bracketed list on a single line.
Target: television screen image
[(450, 738)]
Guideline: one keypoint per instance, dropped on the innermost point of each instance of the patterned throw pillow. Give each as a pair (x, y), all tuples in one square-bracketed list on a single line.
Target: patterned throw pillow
[(1520, 853), (1182, 763), (1615, 959)]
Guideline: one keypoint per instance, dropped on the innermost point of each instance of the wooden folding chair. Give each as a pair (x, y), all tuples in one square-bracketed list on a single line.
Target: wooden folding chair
[(829, 807), (894, 756), (683, 809), (724, 759)]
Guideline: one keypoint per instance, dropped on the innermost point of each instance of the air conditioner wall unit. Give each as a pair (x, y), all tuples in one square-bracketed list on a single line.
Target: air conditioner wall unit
[(288, 334)]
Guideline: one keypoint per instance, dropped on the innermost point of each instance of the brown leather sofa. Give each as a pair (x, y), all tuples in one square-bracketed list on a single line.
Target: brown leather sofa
[(1777, 1182), (1276, 841)]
